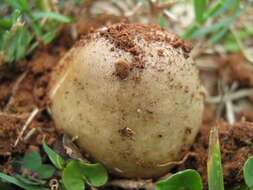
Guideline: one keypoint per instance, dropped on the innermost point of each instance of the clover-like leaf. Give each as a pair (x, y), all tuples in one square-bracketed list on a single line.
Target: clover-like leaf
[(72, 176), (45, 171), (248, 172), (187, 179), (32, 161), (95, 174)]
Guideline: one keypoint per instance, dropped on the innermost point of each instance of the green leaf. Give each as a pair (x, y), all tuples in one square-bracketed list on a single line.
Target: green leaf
[(30, 180), (223, 23), (5, 23), (77, 173), (72, 176), (18, 183), (32, 161), (49, 36), (45, 171), (248, 172), (15, 42), (199, 9), (19, 4), (52, 15), (15, 15), (219, 35), (95, 174), (214, 169), (187, 179), (55, 158), (25, 5), (227, 5), (162, 21), (23, 42), (231, 45), (14, 4)]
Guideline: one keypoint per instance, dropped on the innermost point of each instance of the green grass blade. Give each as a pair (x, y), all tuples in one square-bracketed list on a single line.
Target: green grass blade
[(226, 6), (219, 35), (5, 23), (19, 4), (18, 183), (25, 5), (56, 159), (214, 169), (52, 15), (14, 4), (199, 9), (224, 22)]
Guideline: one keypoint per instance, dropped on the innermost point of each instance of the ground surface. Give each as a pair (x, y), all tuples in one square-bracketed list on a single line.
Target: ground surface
[(24, 86)]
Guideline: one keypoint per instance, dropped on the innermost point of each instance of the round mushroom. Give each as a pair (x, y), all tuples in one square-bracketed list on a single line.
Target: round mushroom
[(132, 96)]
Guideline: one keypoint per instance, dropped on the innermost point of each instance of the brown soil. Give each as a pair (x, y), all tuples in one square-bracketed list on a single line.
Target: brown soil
[(235, 68), (236, 146)]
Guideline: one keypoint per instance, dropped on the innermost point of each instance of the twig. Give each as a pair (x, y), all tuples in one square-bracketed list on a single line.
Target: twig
[(169, 15), (230, 97), (132, 184), (230, 112), (28, 121), (117, 5), (134, 11), (176, 162), (168, 5), (29, 134)]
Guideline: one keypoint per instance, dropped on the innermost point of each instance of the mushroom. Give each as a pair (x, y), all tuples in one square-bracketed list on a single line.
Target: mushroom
[(132, 96)]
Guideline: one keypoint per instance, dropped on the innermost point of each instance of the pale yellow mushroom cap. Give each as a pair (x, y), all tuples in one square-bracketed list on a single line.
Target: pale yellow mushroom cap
[(132, 95)]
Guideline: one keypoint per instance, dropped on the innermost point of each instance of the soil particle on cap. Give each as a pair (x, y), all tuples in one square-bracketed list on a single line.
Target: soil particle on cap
[(126, 132), (236, 146), (126, 36), (122, 69)]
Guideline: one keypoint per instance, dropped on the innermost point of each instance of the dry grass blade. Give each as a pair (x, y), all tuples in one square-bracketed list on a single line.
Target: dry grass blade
[(230, 97), (132, 184), (27, 123)]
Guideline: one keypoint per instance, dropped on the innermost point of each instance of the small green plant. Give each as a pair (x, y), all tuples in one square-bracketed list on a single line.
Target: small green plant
[(191, 180), (32, 174), (26, 26), (204, 10), (187, 179), (248, 173)]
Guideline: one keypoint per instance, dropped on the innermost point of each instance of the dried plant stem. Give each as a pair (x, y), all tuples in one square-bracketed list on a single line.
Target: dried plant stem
[(230, 114), (27, 123), (230, 97), (132, 184), (134, 10)]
